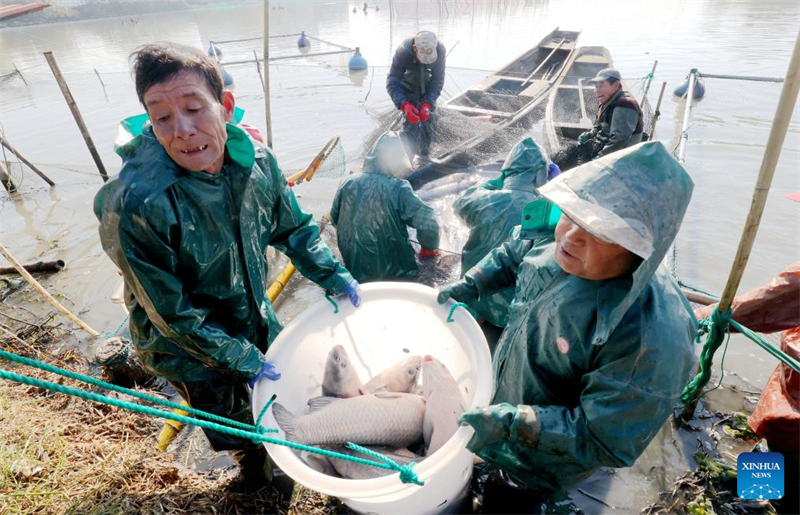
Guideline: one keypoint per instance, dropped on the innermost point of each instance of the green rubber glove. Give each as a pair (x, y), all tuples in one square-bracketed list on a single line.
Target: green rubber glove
[(460, 291), (492, 424)]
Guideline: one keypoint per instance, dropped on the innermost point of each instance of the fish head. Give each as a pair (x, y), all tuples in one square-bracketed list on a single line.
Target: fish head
[(410, 372), (340, 376), (436, 378)]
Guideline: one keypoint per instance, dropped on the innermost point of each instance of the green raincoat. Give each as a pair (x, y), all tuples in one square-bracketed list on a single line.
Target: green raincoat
[(600, 363), (191, 247), (372, 210), (493, 209)]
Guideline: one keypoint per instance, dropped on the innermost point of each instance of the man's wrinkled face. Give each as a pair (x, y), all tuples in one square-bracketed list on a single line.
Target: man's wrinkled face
[(582, 254), (189, 121), (605, 90)]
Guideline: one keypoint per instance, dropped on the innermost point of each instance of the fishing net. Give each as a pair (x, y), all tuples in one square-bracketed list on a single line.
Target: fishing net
[(473, 140), (334, 165)]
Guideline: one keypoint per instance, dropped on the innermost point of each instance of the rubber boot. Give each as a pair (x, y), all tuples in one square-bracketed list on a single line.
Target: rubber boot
[(255, 467), (502, 495), (258, 471)]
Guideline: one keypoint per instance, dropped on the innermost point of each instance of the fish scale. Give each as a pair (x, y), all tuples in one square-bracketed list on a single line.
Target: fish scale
[(391, 419)]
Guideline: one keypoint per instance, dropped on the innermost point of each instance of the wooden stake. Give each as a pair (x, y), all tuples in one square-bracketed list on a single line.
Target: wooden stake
[(22, 158), (266, 74), (49, 298), (101, 83), (258, 68), (5, 178), (649, 81), (51, 60), (657, 113), (20, 74)]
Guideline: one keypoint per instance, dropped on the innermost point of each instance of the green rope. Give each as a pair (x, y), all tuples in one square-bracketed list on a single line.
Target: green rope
[(335, 305), (460, 305), (264, 411), (714, 328), (721, 366), (407, 475), (770, 348), (119, 327), (119, 389)]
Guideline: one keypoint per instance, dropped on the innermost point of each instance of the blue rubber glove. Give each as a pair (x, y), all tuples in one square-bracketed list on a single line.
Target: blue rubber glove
[(268, 371), (519, 424), (352, 292), (553, 171)]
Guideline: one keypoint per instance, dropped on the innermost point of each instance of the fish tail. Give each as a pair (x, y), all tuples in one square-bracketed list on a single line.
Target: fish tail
[(286, 420)]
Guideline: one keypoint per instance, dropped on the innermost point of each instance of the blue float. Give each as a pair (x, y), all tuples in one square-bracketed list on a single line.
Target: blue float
[(303, 41), (227, 78), (214, 51), (357, 61), (699, 89)]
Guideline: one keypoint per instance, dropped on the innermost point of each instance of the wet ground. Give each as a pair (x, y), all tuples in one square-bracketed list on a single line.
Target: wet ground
[(315, 98)]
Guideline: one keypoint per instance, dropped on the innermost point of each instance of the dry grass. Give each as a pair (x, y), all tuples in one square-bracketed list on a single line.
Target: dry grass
[(60, 454)]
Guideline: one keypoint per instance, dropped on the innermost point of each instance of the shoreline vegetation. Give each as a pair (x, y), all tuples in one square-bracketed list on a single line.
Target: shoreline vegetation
[(61, 11), (61, 454)]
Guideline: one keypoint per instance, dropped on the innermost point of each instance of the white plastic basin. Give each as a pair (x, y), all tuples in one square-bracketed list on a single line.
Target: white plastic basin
[(394, 321)]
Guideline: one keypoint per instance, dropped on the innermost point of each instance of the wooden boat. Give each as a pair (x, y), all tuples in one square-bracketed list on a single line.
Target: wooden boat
[(524, 80), (512, 94), (572, 106)]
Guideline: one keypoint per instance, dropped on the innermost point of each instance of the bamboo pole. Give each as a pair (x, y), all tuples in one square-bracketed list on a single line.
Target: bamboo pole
[(777, 135), (267, 111), (687, 116), (73, 107), (308, 173), (657, 113), (5, 178), (649, 81), (280, 283), (22, 158), (49, 298), (741, 77), (286, 57)]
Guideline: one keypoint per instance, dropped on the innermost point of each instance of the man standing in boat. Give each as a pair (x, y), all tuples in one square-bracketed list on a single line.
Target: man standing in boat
[(619, 122), (414, 83), (187, 221)]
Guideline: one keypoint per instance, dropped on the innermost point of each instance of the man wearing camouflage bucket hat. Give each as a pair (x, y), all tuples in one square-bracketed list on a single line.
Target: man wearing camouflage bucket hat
[(598, 344)]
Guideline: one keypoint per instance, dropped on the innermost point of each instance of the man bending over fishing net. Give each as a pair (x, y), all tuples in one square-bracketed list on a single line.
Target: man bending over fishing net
[(598, 344)]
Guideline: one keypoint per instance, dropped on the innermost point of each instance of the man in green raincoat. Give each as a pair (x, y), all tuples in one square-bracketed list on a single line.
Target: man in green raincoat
[(372, 210), (493, 209), (188, 221), (598, 344)]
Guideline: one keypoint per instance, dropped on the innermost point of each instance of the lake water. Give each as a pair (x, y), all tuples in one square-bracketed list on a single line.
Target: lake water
[(314, 98)]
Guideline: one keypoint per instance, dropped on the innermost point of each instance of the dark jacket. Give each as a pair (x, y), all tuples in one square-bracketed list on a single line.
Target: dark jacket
[(623, 131), (410, 80)]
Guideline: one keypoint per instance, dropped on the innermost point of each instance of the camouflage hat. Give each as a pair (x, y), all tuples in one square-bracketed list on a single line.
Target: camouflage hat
[(425, 42), (606, 74)]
